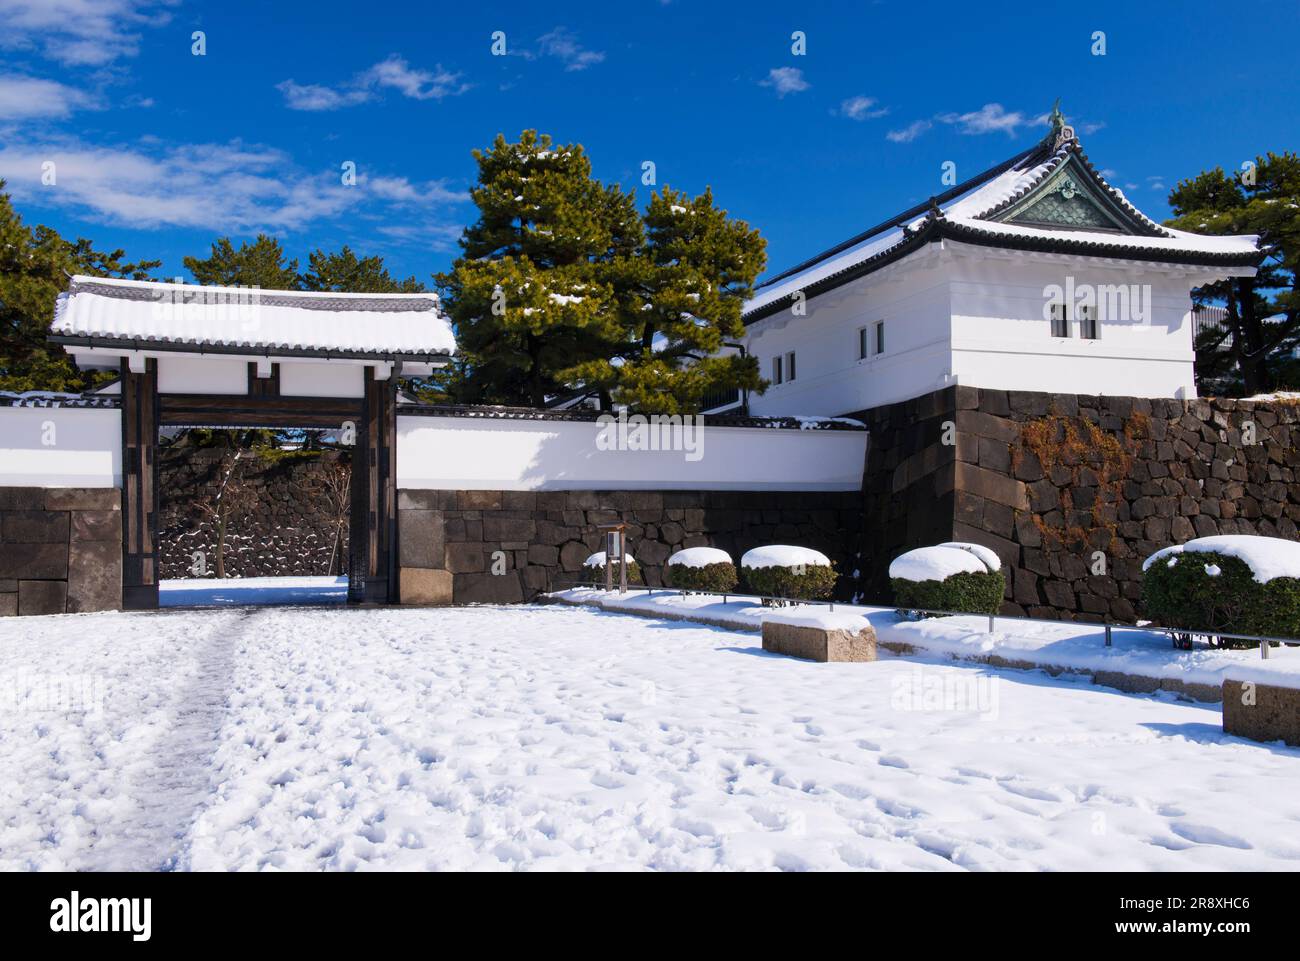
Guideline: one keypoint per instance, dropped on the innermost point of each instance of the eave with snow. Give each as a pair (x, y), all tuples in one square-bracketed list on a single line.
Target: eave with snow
[(204, 339), (1034, 275)]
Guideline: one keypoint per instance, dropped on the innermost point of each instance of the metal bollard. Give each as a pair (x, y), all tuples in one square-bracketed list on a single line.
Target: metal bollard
[(1108, 633), (1263, 649)]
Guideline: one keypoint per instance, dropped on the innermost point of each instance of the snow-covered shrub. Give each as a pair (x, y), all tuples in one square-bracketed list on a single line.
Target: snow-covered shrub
[(702, 569), (593, 569), (1238, 583), (784, 571), (954, 576)]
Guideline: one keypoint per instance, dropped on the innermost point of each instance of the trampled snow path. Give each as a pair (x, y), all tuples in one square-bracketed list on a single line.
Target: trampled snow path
[(560, 738)]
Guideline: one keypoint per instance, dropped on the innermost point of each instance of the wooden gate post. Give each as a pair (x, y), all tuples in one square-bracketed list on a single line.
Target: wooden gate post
[(140, 487), (373, 545)]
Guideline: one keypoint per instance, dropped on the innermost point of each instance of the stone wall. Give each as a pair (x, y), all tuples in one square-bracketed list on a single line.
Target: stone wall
[(60, 550), (1074, 492), (447, 538), (908, 485), (289, 528)]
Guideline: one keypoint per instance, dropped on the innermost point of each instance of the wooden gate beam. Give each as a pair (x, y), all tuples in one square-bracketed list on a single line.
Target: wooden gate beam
[(140, 487)]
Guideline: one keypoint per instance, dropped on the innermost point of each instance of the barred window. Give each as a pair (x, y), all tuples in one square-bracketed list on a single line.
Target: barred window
[(1060, 320)]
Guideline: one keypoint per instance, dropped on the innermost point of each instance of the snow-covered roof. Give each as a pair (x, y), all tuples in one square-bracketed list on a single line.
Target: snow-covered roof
[(144, 315), (989, 209)]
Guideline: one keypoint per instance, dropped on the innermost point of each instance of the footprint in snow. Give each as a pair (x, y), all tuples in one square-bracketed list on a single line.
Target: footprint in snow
[(1204, 834), (894, 760)]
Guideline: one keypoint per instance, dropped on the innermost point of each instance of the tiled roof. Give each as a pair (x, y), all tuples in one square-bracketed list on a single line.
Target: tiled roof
[(971, 212), (155, 316)]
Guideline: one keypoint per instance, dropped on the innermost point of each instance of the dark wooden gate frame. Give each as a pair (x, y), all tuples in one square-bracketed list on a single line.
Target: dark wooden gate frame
[(372, 539)]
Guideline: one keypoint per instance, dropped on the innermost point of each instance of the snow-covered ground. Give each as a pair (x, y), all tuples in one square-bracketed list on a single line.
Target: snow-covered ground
[(568, 738), (1072, 645), (242, 591)]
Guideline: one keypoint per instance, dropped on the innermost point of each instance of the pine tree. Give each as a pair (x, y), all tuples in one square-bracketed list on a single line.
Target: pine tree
[(259, 264), (533, 293), (563, 284), (682, 304), (345, 271), (34, 268), (1267, 204)]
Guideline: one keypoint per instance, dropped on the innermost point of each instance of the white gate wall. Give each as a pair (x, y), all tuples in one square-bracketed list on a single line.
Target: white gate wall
[(472, 453), (60, 447)]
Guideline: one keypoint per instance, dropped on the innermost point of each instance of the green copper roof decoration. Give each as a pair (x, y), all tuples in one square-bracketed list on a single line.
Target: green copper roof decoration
[(1068, 198)]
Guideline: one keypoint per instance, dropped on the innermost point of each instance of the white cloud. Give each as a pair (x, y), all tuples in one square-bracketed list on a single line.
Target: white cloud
[(393, 73), (910, 132), (416, 84), (785, 80), (990, 118), (563, 44), (226, 188), (862, 108), (312, 96), (79, 32), (26, 98)]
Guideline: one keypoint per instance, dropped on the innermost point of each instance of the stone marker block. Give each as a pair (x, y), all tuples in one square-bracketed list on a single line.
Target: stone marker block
[(422, 586), (42, 597), (1274, 714), (819, 643), (22, 498)]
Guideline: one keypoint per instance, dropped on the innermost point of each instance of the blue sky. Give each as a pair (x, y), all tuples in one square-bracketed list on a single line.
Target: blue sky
[(160, 151)]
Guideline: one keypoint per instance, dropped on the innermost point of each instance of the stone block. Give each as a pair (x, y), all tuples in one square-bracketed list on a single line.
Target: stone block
[(465, 558), (35, 561), (487, 588), (420, 538), (417, 500), (96, 526), (42, 597), (94, 576), (500, 529), (83, 499), (819, 643), (424, 586), (34, 527), (1261, 712), (478, 500), (9, 602), (22, 498), (992, 486)]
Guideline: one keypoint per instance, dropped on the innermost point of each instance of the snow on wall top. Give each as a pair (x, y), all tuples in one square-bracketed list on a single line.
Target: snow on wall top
[(260, 320), (1267, 557)]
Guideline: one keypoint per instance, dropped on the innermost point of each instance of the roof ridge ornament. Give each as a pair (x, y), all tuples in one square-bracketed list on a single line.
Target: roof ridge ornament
[(1064, 132)]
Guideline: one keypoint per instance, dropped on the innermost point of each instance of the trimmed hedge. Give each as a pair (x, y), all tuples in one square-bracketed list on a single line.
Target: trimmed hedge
[(719, 577), (596, 572), (1185, 595), (811, 582), (969, 592)]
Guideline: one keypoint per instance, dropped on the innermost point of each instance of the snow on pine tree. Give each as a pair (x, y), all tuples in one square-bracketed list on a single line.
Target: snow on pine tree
[(562, 283)]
